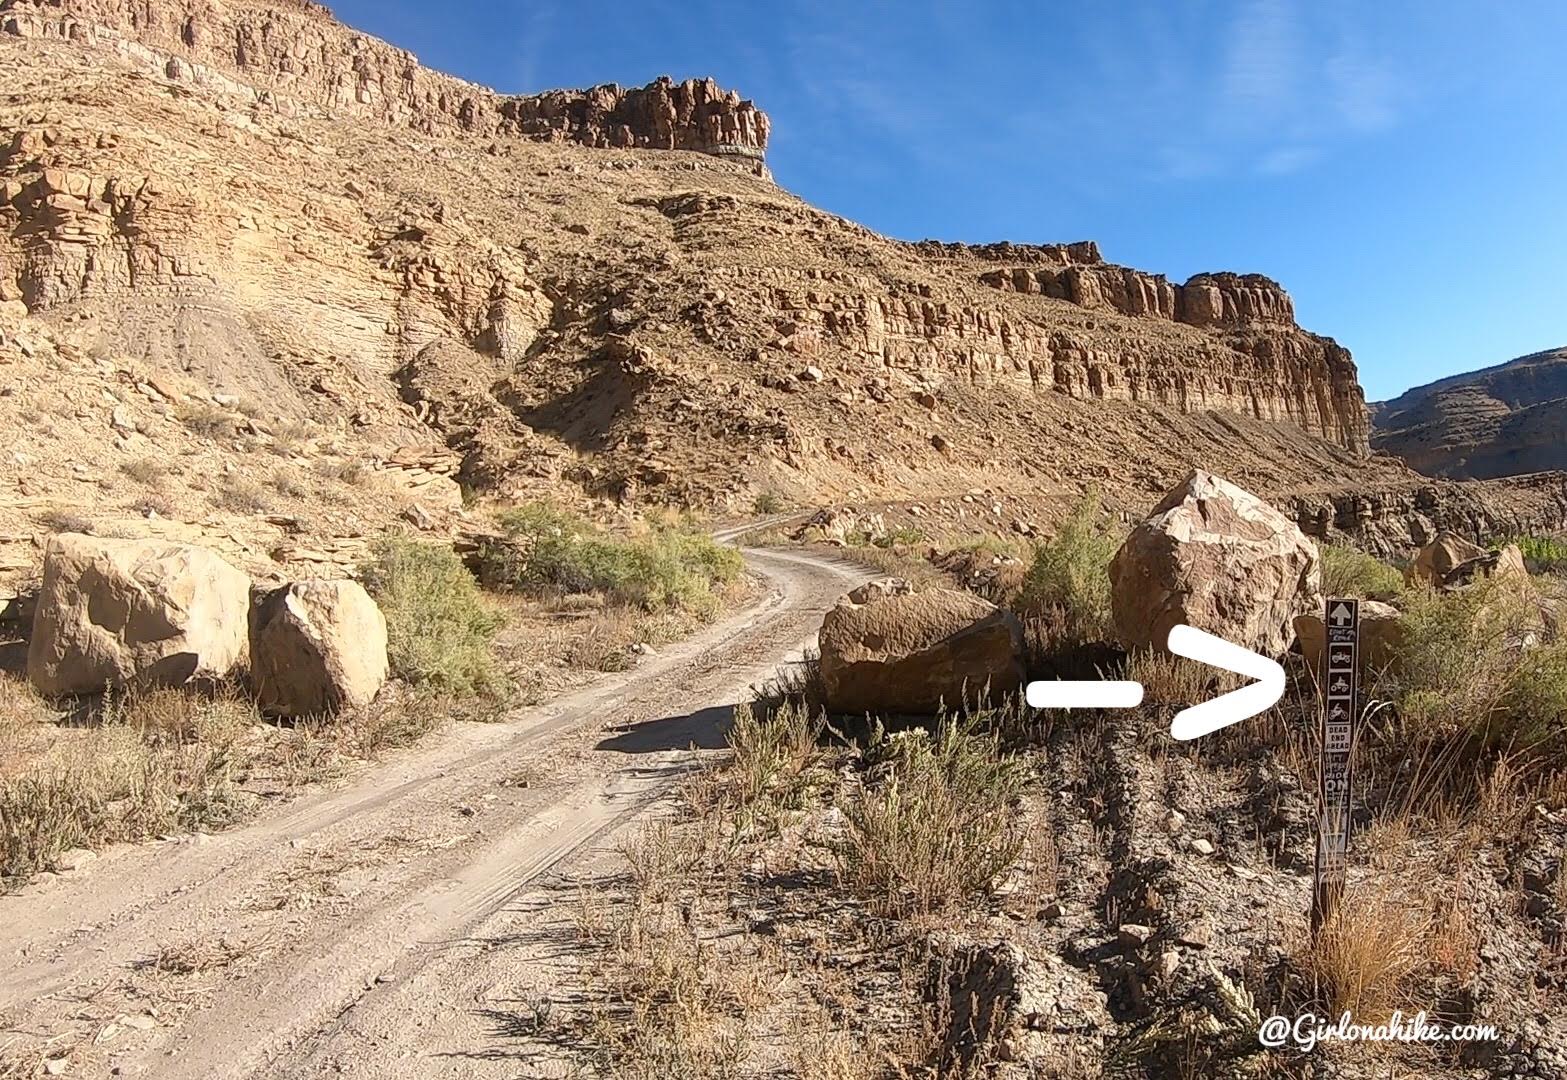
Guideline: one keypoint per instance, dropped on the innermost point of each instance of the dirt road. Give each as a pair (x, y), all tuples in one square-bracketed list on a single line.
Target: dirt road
[(277, 949)]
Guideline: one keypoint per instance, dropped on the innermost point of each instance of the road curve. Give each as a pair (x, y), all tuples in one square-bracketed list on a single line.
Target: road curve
[(296, 922)]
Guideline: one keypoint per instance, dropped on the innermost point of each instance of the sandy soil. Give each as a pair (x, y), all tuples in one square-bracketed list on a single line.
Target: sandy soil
[(346, 932)]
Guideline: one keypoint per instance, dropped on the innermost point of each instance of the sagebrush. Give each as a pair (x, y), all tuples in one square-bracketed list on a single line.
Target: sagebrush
[(440, 627)]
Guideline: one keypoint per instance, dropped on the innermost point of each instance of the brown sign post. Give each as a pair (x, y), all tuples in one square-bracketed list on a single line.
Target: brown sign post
[(1340, 710)]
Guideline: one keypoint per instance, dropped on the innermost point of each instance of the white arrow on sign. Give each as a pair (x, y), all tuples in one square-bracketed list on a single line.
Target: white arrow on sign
[(1237, 705), (1190, 723), (1341, 615)]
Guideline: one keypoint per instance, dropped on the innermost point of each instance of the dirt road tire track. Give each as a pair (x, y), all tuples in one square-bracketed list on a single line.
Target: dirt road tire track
[(415, 854)]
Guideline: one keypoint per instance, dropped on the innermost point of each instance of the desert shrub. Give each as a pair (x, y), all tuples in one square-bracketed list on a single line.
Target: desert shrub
[(207, 420), (1469, 664), (241, 495), (768, 502), (439, 625), (1349, 572), (1071, 573), (887, 539), (1537, 695), (940, 827), (65, 521), (1542, 554), (774, 753), (670, 566), (144, 470)]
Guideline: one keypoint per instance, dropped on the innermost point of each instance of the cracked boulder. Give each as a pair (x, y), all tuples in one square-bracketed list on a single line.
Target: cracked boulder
[(114, 612), (1218, 558), (317, 647)]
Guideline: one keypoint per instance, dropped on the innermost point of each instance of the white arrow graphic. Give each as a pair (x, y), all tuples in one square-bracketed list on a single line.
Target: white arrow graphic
[(1065, 694), (1237, 705), (1190, 723), (1341, 615)]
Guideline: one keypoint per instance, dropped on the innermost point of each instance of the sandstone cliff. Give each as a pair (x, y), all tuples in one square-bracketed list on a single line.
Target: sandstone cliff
[(1499, 421), (293, 55), (291, 224)]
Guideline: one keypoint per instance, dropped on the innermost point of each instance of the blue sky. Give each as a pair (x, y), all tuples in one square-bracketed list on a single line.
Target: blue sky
[(1400, 167)]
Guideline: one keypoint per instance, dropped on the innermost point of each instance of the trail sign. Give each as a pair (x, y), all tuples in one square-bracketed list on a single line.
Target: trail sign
[(1340, 707)]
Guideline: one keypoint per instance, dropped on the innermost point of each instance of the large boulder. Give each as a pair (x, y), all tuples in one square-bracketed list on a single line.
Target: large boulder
[(317, 646), (1435, 562), (1218, 558), (1381, 631), (887, 648), (113, 612), (1506, 564)]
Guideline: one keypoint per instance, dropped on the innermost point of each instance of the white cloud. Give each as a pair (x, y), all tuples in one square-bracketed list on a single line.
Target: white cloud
[(1262, 60)]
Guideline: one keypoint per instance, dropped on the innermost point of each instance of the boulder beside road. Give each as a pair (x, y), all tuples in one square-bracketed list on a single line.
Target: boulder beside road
[(1381, 631), (1216, 557), (887, 648), (112, 612), (317, 647)]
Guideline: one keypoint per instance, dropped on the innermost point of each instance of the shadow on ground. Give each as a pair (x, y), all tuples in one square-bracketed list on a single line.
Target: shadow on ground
[(704, 729)]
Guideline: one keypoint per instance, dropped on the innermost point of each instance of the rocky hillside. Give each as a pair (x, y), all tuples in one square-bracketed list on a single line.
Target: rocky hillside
[(266, 280), (1499, 421)]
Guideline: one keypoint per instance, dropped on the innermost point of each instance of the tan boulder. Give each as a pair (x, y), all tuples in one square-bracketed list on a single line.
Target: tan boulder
[(111, 612), (1506, 564), (1218, 558), (1438, 559), (887, 649), (1381, 630), (317, 646)]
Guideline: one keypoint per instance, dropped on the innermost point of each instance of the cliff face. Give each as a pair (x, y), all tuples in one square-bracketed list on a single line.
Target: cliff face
[(294, 54), (1501, 421), (286, 213)]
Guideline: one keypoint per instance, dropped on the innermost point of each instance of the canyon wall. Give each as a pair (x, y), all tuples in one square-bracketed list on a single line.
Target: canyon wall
[(294, 54)]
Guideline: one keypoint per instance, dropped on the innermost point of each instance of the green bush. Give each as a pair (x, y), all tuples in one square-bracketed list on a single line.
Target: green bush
[(768, 502), (671, 566), (1349, 572), (1469, 664), (1071, 573), (1542, 554), (439, 626)]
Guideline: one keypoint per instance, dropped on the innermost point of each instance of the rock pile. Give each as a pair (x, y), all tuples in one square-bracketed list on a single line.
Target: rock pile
[(119, 613)]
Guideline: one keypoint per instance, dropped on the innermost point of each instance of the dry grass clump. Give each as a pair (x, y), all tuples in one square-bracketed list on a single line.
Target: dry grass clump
[(940, 826), (154, 762), (1173, 680), (1367, 959), (669, 1002)]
